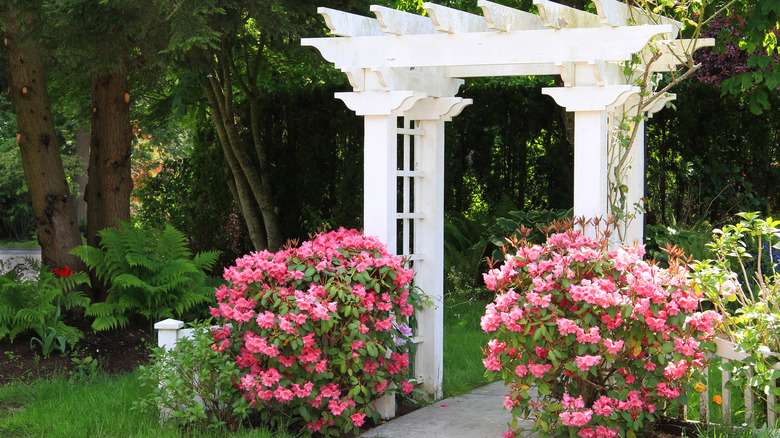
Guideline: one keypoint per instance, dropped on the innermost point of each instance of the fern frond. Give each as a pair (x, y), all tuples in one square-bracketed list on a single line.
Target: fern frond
[(205, 260), (29, 317), (103, 323)]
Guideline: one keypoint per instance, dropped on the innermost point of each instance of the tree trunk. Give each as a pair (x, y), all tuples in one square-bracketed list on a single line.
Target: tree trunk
[(239, 185), (265, 199), (82, 150), (109, 180), (58, 231)]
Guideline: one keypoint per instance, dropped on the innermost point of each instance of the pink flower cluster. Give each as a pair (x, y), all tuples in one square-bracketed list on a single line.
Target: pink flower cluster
[(316, 329), (584, 320)]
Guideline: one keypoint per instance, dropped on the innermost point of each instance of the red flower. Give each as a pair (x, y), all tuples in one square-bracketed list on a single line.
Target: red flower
[(63, 272)]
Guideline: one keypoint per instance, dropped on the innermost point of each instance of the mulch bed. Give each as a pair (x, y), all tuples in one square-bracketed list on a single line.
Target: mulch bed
[(117, 352)]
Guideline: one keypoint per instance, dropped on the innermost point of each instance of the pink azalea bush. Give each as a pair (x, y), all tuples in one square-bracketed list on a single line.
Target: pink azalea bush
[(607, 339), (318, 331)]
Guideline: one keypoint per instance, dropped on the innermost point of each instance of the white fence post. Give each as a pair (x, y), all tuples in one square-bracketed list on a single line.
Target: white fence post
[(168, 332)]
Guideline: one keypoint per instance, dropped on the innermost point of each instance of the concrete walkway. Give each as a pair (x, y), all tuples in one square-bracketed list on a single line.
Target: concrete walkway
[(478, 414)]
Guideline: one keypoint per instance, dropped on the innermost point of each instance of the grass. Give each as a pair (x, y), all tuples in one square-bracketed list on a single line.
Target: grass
[(463, 343), (102, 408), (22, 244)]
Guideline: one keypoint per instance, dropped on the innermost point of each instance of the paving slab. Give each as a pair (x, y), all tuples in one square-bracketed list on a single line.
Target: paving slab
[(478, 414)]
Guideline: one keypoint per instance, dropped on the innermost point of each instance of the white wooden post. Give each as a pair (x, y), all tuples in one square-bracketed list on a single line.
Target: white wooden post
[(429, 236), (380, 161), (168, 332), (380, 111), (591, 137)]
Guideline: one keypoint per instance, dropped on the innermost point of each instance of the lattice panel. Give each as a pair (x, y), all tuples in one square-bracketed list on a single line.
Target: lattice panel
[(407, 176)]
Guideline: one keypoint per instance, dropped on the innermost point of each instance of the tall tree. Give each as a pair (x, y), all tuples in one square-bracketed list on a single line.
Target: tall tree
[(109, 42), (52, 202), (227, 44)]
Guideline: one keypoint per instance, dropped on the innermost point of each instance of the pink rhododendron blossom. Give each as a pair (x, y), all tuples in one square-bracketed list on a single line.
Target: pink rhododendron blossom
[(506, 300), (586, 361), (567, 326), (687, 347), (570, 402), (283, 394), (675, 370), (492, 363), (590, 337), (604, 406), (508, 402), (491, 320), (358, 419), (265, 320), (605, 432), (576, 418), (337, 407), (384, 325), (406, 387), (539, 370), (496, 347), (665, 390), (613, 347)]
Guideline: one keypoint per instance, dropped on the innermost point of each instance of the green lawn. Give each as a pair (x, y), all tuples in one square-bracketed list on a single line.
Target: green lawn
[(22, 244), (463, 342), (101, 408)]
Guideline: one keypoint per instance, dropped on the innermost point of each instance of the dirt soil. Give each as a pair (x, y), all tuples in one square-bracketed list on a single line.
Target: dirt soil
[(116, 352)]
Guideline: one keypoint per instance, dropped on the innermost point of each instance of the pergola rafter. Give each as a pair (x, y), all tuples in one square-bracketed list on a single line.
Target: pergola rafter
[(408, 66)]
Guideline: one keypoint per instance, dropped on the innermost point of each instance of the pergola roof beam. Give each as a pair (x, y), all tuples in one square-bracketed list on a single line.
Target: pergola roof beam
[(397, 22), (673, 52), (473, 71), (504, 18), (616, 13), (348, 25), (559, 16), (451, 20), (491, 48)]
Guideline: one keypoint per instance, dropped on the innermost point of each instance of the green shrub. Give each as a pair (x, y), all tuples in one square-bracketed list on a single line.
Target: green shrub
[(742, 281), (192, 384), (319, 331), (150, 272), (693, 241), (508, 227)]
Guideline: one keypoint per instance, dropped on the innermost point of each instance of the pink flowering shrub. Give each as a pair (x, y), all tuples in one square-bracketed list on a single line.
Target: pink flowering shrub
[(318, 331), (607, 339)]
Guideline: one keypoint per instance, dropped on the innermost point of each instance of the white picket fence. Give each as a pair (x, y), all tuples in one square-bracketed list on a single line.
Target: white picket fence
[(726, 351), (170, 331)]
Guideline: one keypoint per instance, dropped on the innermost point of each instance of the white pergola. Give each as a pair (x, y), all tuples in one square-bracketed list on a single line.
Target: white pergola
[(406, 69)]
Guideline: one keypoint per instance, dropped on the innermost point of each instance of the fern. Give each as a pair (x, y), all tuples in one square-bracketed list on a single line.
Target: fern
[(36, 304), (151, 273)]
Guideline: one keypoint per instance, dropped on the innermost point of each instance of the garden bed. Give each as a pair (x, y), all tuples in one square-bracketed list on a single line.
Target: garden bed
[(116, 352)]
